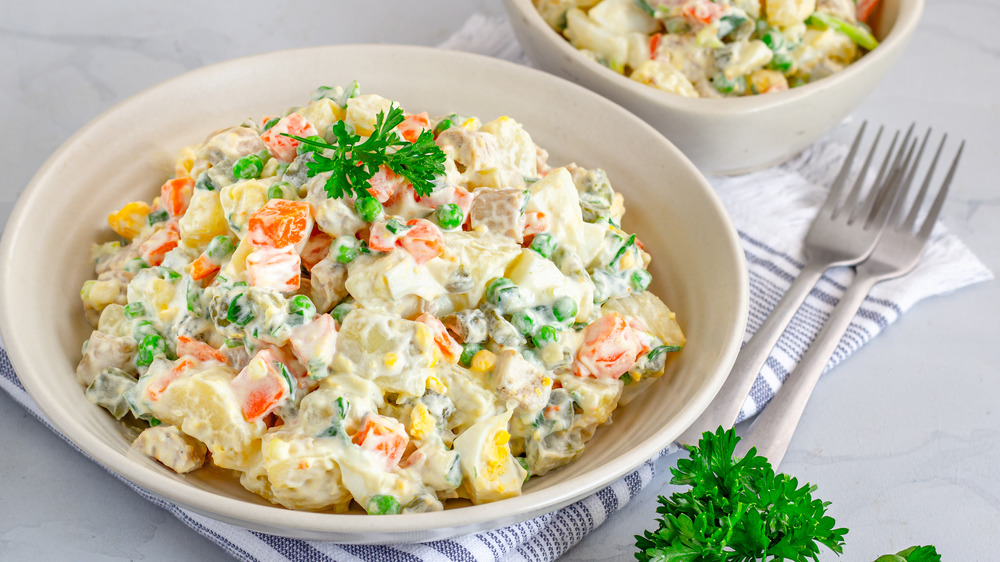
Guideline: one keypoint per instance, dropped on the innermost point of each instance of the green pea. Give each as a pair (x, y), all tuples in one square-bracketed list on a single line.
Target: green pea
[(503, 294), (240, 312), (781, 62), (167, 273), (204, 182), (219, 248), (280, 190), (544, 244), (301, 304), (135, 264), (134, 310), (248, 167), (469, 350), (445, 124), (773, 39), (345, 252), (158, 216), (150, 346), (368, 208), (340, 311), (640, 280), (626, 379), (564, 309), (271, 122), (383, 505), (449, 216), (153, 422), (234, 342), (726, 86), (143, 329), (524, 321), (395, 227), (544, 336)]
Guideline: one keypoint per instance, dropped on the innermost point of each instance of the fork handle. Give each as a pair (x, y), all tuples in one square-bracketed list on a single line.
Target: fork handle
[(773, 428), (726, 406)]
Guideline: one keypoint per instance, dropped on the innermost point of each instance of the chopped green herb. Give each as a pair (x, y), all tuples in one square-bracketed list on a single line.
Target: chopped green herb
[(355, 161), (737, 509)]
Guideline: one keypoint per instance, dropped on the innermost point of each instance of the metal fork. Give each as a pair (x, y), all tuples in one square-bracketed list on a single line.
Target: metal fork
[(836, 238), (898, 251)]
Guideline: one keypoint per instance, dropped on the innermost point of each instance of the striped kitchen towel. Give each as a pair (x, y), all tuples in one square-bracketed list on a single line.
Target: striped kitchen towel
[(772, 210)]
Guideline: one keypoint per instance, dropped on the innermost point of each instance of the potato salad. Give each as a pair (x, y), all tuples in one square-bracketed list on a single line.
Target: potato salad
[(351, 304), (716, 48)]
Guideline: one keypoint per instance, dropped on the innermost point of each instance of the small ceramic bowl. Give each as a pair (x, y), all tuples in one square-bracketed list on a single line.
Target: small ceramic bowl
[(126, 153), (729, 135)]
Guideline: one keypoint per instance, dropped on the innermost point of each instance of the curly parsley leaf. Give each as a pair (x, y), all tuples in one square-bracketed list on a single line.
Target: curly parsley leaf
[(355, 161), (913, 554), (737, 510)]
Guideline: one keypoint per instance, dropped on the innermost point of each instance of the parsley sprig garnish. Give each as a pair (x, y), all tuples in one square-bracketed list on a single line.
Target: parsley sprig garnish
[(354, 161), (737, 510)]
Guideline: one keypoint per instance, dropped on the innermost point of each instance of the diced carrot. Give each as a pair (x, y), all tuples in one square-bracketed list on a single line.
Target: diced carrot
[(262, 385), (609, 349), (175, 195), (703, 11), (202, 267), (275, 268), (424, 240), (199, 350), (383, 435), (162, 241), (280, 223), (316, 248), (654, 44), (282, 147), (159, 386), (385, 183), (450, 349), (380, 238), (413, 125), (864, 9)]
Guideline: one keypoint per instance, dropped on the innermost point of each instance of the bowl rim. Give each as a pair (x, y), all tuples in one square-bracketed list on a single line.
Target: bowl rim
[(902, 29), (341, 527)]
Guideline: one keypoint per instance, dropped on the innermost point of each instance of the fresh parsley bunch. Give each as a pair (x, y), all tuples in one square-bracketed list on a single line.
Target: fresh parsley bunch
[(737, 510), (354, 161)]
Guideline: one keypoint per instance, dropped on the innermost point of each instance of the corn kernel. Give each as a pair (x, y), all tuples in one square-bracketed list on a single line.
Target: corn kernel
[(130, 219), (471, 124), (391, 359), (421, 422), (436, 385), (484, 360)]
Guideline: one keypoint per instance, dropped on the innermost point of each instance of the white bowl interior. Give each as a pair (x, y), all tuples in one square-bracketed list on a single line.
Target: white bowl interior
[(126, 153)]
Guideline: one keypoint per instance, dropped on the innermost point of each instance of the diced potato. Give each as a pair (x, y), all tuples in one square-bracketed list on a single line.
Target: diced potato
[(392, 352), (303, 472), (584, 33), (785, 13), (363, 110), (205, 219), (663, 76), (240, 200), (205, 407)]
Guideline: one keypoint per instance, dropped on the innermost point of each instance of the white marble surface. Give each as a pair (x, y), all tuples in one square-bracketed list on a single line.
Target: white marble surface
[(903, 438)]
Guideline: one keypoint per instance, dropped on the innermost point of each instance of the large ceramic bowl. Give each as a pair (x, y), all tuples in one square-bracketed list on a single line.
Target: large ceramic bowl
[(729, 135), (126, 153)]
